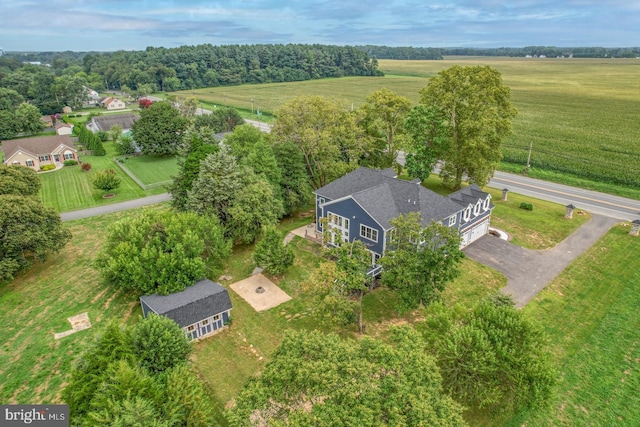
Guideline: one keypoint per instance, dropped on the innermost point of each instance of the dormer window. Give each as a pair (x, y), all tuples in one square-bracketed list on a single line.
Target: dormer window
[(467, 214), (452, 220), (476, 208), (486, 203)]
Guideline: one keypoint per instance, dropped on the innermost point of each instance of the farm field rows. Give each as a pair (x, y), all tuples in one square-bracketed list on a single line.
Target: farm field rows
[(579, 115)]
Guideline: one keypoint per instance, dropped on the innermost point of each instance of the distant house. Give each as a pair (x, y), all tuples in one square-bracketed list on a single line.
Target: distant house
[(200, 310), (111, 103), (40, 151), (64, 128), (125, 121), (361, 205), (47, 120)]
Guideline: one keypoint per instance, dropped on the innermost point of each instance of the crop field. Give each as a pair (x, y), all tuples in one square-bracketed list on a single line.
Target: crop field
[(580, 116)]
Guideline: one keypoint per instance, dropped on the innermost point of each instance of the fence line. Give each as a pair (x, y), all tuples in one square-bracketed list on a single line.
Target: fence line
[(135, 178)]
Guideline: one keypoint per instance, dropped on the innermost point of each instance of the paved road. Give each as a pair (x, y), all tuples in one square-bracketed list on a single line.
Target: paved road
[(115, 207), (591, 201), (529, 271), (264, 127)]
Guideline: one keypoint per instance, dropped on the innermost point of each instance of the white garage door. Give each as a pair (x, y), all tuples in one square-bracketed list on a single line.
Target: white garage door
[(475, 233)]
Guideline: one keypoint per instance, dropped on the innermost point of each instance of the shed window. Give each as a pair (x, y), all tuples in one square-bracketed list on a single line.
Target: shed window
[(216, 317), (368, 233)]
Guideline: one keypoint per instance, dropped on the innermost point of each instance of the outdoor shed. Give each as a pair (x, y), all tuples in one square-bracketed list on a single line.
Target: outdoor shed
[(200, 310)]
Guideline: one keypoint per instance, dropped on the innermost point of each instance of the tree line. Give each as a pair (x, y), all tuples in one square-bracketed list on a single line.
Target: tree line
[(418, 53)]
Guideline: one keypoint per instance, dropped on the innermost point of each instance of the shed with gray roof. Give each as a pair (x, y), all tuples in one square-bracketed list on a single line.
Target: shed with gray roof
[(200, 310)]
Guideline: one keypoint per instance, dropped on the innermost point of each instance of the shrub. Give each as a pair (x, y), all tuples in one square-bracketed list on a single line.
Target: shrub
[(103, 135), (70, 162), (86, 167), (106, 180), (47, 167), (526, 206)]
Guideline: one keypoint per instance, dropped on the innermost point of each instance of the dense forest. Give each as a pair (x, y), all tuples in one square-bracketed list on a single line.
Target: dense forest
[(408, 52)]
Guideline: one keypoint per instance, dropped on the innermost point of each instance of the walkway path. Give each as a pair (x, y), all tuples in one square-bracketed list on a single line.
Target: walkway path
[(529, 271), (115, 207)]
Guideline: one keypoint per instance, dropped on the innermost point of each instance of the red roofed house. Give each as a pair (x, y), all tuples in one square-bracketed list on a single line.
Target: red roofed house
[(39, 151)]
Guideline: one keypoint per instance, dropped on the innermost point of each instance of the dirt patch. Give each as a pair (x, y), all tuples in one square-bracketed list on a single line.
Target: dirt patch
[(272, 296)]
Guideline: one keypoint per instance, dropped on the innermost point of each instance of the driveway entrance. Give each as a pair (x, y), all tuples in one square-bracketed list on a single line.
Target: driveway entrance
[(529, 271)]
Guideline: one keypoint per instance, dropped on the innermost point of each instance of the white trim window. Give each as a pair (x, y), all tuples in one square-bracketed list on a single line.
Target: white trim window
[(369, 233), (487, 201), (321, 200), (68, 155), (467, 214), (338, 228), (476, 208), (452, 220)]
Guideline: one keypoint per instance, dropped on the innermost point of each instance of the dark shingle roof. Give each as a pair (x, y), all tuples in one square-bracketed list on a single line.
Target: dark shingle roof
[(468, 196), (125, 121), (385, 197), (197, 302)]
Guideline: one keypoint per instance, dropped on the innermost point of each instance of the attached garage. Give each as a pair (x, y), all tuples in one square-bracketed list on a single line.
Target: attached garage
[(472, 234)]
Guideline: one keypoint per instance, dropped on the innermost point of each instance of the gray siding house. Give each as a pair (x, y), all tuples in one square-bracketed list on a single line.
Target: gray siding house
[(361, 205), (199, 310)]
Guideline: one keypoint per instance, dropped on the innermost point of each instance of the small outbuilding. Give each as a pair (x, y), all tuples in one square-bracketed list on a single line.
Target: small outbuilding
[(200, 310)]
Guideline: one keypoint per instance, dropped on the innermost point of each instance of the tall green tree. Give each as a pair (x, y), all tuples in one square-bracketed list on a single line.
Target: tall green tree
[(420, 262), (159, 344), (161, 252), (428, 140), (254, 206), (315, 378), (159, 129), (272, 253), (340, 289), (478, 109), (219, 179), (491, 356), (325, 132), (18, 180), (294, 182), (198, 143), (28, 232), (382, 118), (9, 99), (28, 119)]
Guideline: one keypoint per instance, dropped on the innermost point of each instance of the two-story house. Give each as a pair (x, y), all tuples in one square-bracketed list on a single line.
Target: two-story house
[(361, 205)]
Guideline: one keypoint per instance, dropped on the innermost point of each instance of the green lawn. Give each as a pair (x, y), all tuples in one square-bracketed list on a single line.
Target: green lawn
[(34, 366), (38, 302), (591, 314), (577, 113), (153, 169), (70, 188)]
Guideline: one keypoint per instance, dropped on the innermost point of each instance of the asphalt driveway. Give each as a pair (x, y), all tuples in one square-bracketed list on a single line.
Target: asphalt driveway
[(529, 271)]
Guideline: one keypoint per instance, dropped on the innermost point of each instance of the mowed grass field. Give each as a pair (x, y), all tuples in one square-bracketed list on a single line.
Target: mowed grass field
[(153, 169), (590, 312), (70, 188), (580, 115)]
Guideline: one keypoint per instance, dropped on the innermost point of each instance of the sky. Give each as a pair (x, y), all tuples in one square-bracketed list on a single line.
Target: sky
[(107, 25)]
